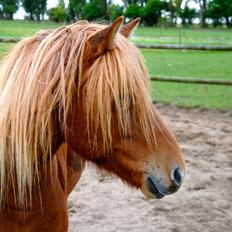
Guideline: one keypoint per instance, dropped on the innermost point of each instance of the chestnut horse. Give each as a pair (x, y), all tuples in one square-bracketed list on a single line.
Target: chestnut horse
[(79, 93)]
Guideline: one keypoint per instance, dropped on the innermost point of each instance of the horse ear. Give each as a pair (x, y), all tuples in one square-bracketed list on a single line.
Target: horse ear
[(103, 40), (128, 28)]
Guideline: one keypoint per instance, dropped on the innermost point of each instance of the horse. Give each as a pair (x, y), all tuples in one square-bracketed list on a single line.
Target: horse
[(80, 93)]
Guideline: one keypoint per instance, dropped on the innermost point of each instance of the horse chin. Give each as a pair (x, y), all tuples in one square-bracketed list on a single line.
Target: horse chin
[(153, 189), (150, 191)]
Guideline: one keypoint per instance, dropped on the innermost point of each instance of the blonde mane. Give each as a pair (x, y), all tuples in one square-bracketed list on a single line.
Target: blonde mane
[(43, 74)]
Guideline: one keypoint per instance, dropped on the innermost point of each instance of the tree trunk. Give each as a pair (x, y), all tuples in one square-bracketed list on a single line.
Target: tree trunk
[(9, 16), (172, 15), (105, 10), (31, 16), (203, 5), (228, 23), (38, 17)]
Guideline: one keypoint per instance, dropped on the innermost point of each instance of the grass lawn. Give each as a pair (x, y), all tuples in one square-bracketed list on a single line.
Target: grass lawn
[(196, 64), (4, 48), (148, 35), (190, 95), (20, 28), (193, 64), (187, 36)]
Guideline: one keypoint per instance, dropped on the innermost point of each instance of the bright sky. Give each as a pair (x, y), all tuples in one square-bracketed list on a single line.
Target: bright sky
[(52, 3)]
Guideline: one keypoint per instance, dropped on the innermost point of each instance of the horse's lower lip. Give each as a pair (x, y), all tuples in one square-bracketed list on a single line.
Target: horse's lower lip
[(153, 189)]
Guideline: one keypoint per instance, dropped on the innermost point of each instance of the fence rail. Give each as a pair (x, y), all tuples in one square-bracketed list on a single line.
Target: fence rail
[(177, 47), (192, 81), (185, 47), (9, 40), (153, 46)]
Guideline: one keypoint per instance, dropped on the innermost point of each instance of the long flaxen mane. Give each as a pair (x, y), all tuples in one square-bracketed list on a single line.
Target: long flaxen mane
[(43, 74)]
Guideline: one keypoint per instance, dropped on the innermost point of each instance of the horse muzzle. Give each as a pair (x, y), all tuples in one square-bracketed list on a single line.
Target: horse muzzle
[(156, 187)]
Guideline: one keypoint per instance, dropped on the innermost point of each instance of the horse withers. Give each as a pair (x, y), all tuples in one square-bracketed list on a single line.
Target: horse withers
[(79, 93)]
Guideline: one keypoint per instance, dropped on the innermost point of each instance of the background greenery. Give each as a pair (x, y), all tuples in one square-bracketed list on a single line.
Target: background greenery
[(147, 35), (152, 12), (186, 64)]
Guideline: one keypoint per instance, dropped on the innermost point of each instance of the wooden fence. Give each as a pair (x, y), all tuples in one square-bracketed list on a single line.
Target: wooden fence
[(9, 40), (154, 46), (175, 47), (185, 47), (192, 81)]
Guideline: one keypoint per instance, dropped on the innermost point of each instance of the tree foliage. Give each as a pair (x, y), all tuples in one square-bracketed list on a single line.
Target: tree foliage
[(9, 7), (93, 10), (115, 11), (75, 9), (36, 8), (152, 11), (174, 7), (187, 15), (58, 13), (220, 10), (132, 11), (203, 9)]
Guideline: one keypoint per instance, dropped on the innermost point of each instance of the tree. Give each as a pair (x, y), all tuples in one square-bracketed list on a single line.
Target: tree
[(94, 10), (61, 3), (214, 13), (132, 11), (29, 8), (187, 15), (218, 10), (36, 8), (203, 9), (174, 7), (75, 9), (9, 7), (40, 9), (140, 3), (115, 11), (151, 13), (57, 14)]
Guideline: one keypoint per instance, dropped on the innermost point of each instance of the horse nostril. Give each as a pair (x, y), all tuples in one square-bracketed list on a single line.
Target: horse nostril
[(177, 176)]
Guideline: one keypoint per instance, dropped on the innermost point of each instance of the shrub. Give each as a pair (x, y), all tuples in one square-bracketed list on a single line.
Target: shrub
[(57, 14), (132, 11), (115, 11)]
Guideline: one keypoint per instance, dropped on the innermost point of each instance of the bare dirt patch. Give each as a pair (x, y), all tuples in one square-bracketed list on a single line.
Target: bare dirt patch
[(204, 203)]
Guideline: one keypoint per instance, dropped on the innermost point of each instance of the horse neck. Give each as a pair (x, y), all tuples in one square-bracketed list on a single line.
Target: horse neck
[(52, 183)]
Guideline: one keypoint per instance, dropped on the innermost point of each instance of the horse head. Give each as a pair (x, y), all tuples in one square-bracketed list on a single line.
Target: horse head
[(112, 121)]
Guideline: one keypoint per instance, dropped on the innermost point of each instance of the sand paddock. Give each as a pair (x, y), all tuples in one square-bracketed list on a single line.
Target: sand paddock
[(204, 203)]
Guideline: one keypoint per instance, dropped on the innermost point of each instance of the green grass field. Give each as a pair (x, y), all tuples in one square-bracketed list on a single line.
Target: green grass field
[(193, 64), (186, 64), (19, 28), (147, 35), (193, 36), (4, 49)]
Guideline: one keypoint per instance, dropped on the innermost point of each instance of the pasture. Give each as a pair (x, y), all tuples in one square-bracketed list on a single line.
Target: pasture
[(194, 64), (187, 36), (102, 203), (148, 35)]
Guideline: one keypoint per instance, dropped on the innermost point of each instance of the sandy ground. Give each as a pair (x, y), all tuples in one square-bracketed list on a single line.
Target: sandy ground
[(204, 202)]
